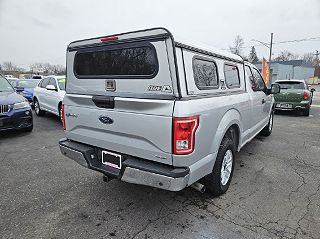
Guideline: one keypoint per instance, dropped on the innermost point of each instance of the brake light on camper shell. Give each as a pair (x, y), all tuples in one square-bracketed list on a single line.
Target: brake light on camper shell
[(306, 95), (107, 39), (184, 130), (63, 118)]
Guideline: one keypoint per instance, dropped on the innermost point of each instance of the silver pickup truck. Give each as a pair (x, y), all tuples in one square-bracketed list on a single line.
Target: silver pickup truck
[(146, 109)]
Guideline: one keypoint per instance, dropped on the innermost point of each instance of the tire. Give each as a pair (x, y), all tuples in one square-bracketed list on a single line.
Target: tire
[(59, 110), (37, 109), (219, 180), (267, 130), (306, 112), (28, 129)]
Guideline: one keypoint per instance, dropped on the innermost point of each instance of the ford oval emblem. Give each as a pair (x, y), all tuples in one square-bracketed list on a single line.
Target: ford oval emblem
[(105, 119)]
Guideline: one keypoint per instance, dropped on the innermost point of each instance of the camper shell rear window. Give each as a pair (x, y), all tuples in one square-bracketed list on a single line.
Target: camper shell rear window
[(131, 60)]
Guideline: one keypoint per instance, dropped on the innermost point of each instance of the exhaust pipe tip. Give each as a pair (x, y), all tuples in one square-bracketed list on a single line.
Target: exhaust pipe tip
[(199, 187), (106, 178)]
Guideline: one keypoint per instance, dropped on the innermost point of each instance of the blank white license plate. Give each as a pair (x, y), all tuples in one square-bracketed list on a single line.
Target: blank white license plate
[(111, 159), (285, 106)]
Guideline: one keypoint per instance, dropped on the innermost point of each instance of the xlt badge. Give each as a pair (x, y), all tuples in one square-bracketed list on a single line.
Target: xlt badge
[(165, 88)]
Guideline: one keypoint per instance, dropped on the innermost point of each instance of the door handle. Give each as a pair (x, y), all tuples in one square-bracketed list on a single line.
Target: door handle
[(104, 101), (263, 101)]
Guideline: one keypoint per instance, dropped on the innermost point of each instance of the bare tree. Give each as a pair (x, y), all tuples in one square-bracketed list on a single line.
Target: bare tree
[(310, 58), (9, 66), (59, 70), (286, 56), (237, 47), (48, 68)]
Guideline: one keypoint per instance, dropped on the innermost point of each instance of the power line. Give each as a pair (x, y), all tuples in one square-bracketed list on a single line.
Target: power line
[(288, 41), (299, 40)]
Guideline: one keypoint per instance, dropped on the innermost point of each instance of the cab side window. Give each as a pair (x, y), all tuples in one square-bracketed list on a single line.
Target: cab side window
[(53, 82), (258, 78), (44, 83), (257, 83), (254, 84)]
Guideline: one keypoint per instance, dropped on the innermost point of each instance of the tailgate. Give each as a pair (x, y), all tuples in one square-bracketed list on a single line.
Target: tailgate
[(137, 127), (120, 94)]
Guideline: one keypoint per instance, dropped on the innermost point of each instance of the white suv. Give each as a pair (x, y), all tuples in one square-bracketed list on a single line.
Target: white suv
[(48, 95)]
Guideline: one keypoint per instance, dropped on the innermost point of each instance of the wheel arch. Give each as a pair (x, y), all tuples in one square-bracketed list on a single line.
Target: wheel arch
[(229, 124), (59, 104)]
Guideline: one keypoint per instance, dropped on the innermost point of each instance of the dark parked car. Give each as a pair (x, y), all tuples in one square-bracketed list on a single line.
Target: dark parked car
[(294, 95), (26, 88), (15, 110)]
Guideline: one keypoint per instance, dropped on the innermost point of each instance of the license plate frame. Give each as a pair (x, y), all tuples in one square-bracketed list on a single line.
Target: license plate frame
[(286, 106), (111, 159)]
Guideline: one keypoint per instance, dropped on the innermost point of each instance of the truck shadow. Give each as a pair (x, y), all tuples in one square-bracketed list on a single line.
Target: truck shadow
[(289, 113)]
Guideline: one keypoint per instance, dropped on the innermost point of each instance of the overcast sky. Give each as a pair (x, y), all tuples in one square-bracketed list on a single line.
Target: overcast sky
[(39, 30)]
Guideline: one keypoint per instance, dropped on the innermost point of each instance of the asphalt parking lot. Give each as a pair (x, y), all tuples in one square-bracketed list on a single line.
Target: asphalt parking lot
[(274, 192)]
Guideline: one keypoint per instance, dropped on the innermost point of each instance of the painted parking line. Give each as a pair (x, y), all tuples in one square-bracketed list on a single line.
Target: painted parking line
[(318, 106)]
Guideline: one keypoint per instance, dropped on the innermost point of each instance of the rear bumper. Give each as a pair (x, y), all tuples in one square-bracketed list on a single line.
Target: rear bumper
[(295, 106), (134, 170)]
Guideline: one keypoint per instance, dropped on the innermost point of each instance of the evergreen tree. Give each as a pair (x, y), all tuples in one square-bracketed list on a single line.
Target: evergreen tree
[(253, 58)]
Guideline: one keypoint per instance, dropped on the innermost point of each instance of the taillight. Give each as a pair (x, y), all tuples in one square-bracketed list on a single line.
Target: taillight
[(111, 38), (184, 130), (63, 118), (306, 95)]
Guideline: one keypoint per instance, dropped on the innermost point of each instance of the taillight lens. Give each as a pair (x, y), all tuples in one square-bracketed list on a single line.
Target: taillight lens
[(184, 130), (306, 95), (63, 118)]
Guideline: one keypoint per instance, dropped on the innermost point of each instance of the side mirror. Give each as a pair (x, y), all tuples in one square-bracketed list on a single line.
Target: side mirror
[(51, 87), (312, 90), (19, 89), (275, 89)]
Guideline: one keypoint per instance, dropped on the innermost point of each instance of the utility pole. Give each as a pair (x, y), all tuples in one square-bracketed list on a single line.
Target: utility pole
[(270, 55), (317, 58), (317, 66)]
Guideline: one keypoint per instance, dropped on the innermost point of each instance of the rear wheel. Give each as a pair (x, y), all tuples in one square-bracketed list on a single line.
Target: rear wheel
[(59, 109), (37, 109), (219, 180), (268, 129), (306, 112)]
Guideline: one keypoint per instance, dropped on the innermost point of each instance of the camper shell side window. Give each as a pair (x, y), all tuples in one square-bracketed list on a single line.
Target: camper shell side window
[(205, 73), (232, 77)]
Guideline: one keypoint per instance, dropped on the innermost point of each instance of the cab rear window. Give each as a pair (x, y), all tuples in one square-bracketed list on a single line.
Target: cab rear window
[(117, 62), (293, 85)]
